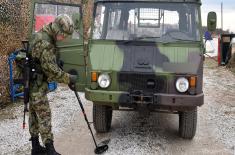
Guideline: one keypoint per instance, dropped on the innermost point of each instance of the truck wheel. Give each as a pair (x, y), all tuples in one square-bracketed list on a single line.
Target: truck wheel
[(102, 117), (188, 124)]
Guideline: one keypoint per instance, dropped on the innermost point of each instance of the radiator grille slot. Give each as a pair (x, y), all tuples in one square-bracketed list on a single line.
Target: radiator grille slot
[(143, 82)]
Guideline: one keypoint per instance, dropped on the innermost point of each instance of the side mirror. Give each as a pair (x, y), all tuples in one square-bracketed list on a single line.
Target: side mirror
[(211, 21), (76, 17)]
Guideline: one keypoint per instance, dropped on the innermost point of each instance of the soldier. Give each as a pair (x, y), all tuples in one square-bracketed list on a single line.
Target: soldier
[(45, 63)]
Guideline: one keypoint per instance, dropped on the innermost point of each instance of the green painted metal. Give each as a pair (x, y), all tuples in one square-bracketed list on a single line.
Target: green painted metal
[(211, 21), (113, 57), (70, 51), (108, 56), (73, 57)]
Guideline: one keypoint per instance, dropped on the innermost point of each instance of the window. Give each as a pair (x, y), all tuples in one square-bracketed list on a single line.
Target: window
[(46, 13), (146, 21)]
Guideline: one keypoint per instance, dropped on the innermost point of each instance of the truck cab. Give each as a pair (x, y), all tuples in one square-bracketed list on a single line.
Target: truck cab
[(146, 55), (142, 55)]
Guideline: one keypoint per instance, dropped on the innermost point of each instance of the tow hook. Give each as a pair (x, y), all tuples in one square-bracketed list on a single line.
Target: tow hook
[(138, 97)]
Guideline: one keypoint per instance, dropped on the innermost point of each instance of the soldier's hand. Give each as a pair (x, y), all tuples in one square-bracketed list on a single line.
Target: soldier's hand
[(72, 87), (73, 78), (72, 82)]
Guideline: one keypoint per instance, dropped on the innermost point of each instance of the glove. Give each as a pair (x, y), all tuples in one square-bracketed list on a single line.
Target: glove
[(73, 79), (60, 63), (72, 82)]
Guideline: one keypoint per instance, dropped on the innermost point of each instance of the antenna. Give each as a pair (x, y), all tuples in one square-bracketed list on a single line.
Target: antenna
[(222, 18)]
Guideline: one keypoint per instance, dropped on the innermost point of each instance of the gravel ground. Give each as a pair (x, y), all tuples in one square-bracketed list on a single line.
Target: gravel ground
[(15, 140), (131, 133)]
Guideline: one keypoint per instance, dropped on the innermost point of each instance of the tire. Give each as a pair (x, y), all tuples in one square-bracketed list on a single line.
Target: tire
[(102, 118), (188, 124)]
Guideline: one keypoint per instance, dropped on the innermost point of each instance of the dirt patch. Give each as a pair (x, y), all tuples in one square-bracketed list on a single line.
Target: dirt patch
[(8, 111)]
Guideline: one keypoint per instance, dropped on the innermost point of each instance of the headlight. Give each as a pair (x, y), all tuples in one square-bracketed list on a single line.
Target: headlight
[(104, 80), (182, 84)]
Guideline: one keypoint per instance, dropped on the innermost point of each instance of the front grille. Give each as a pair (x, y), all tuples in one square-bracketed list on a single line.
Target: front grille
[(142, 82)]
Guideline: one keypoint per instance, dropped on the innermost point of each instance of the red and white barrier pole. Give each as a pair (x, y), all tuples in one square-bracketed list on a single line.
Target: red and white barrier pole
[(219, 51)]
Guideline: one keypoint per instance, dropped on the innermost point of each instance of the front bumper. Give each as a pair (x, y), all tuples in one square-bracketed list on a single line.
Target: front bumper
[(113, 98)]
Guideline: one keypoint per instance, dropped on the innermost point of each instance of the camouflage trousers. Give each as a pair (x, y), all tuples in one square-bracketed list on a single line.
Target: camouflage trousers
[(40, 119)]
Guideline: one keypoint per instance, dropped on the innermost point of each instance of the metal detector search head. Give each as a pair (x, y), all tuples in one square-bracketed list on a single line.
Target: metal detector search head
[(101, 149)]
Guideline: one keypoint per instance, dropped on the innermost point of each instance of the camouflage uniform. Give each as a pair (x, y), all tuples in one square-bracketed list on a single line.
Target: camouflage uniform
[(44, 54)]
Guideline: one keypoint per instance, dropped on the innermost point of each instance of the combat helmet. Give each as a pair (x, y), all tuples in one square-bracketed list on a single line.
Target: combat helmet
[(63, 24)]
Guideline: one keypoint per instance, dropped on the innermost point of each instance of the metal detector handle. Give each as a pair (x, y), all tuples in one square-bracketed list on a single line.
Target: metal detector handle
[(84, 114), (99, 149), (80, 102)]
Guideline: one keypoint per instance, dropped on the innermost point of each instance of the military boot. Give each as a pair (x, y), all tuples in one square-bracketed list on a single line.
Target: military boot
[(51, 149), (37, 149)]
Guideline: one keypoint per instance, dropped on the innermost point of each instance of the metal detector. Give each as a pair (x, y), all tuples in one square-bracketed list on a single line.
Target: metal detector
[(99, 148)]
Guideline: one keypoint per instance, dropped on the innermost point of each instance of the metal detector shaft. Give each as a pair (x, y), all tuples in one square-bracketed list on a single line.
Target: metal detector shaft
[(84, 114)]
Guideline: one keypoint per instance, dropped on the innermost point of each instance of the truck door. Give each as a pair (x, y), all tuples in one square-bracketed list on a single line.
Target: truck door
[(70, 51)]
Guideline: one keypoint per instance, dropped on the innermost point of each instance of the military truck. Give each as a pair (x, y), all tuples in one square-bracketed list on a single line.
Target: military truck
[(142, 55)]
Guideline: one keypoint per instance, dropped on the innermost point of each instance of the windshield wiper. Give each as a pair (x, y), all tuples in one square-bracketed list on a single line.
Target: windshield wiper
[(176, 40), (138, 39), (147, 37), (180, 40)]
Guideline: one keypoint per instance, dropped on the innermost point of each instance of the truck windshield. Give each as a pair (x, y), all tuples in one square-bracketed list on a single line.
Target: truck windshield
[(162, 22)]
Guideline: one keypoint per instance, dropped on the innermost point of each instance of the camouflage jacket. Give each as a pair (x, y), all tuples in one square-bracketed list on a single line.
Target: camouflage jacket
[(44, 51)]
